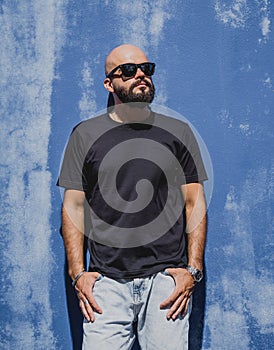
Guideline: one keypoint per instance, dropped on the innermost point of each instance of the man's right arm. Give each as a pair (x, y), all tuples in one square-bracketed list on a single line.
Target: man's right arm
[(73, 235), (73, 230)]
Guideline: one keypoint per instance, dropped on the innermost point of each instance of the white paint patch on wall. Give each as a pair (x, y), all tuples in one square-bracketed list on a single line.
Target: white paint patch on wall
[(265, 19), (226, 118), (228, 319), (245, 129), (233, 14), (141, 23), (237, 13), (31, 33), (225, 326), (87, 104), (265, 26), (268, 82)]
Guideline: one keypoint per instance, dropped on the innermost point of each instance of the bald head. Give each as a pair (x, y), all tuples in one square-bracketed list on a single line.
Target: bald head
[(124, 54)]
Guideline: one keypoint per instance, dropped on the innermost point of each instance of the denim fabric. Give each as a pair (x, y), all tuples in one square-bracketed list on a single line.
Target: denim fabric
[(130, 308)]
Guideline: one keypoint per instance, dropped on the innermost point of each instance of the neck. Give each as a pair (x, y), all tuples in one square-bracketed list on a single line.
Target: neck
[(128, 113)]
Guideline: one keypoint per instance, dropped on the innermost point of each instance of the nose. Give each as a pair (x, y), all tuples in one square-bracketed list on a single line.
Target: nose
[(139, 73)]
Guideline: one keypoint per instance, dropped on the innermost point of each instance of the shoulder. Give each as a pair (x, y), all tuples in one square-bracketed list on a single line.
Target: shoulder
[(170, 120), (92, 129), (85, 133), (172, 125), (90, 124)]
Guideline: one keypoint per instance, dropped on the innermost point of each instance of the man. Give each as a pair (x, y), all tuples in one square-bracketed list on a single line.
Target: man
[(141, 175)]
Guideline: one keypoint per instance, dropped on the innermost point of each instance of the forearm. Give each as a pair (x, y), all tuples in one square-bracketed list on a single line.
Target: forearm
[(196, 245), (73, 234), (196, 224)]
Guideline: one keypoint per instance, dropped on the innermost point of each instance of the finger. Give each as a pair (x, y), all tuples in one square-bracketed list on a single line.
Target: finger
[(175, 307), (93, 304), (181, 309), (170, 300), (88, 314), (90, 298), (87, 307), (184, 311)]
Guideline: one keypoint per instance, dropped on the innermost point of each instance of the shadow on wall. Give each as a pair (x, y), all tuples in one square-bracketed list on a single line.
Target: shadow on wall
[(74, 313), (196, 319)]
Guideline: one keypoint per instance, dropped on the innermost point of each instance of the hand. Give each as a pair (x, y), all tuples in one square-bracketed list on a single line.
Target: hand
[(179, 300), (84, 288)]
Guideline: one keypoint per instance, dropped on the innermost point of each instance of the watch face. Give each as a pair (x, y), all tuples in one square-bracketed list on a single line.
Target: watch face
[(198, 276)]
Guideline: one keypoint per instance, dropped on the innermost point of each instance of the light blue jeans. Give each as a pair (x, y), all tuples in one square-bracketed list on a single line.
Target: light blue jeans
[(132, 307)]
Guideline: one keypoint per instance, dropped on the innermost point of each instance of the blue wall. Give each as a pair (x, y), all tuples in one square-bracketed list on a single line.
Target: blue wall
[(215, 67)]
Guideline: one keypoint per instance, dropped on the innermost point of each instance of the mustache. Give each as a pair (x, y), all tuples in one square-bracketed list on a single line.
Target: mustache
[(141, 80)]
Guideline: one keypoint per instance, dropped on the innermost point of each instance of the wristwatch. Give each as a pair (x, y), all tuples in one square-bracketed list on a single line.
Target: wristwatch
[(196, 273)]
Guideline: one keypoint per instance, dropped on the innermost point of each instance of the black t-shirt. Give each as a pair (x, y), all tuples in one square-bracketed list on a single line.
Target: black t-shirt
[(131, 174)]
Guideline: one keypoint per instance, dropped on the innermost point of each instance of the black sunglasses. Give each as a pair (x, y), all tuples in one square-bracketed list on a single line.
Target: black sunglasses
[(129, 69)]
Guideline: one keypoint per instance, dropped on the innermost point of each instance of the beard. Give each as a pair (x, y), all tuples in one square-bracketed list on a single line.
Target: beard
[(143, 98)]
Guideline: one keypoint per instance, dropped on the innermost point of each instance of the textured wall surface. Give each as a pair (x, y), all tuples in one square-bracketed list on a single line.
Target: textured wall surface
[(215, 66)]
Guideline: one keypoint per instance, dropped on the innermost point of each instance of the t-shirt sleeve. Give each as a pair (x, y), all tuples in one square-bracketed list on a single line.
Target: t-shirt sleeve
[(71, 174), (190, 159)]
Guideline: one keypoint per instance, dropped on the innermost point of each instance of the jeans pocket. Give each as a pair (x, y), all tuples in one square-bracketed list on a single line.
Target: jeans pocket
[(99, 278), (165, 272), (97, 283)]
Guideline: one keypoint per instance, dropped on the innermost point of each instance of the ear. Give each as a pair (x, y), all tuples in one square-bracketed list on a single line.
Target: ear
[(108, 85)]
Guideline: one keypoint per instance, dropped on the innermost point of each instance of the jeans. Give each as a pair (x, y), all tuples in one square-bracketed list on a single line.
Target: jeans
[(130, 307)]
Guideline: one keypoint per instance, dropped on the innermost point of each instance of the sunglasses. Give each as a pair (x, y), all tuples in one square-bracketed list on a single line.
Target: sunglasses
[(129, 69)]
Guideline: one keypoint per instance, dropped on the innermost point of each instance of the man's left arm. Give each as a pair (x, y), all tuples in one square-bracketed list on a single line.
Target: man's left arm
[(195, 206)]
